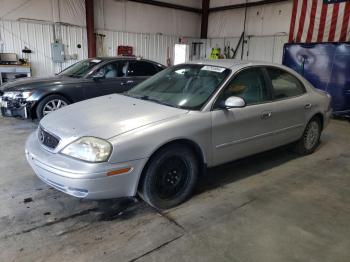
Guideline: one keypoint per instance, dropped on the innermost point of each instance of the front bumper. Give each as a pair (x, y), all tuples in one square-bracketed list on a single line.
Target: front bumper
[(82, 179), (15, 108)]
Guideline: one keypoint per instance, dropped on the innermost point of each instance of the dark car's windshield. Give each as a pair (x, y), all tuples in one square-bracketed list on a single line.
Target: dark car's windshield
[(81, 68), (185, 86)]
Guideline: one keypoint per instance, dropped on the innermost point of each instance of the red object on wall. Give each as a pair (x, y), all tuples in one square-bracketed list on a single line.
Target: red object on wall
[(124, 50)]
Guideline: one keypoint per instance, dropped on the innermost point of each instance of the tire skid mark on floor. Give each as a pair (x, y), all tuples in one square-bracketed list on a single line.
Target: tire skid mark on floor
[(62, 219), (156, 248), (169, 218)]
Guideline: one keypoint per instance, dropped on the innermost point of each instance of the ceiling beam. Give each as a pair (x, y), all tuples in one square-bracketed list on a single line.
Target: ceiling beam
[(244, 5), (168, 5)]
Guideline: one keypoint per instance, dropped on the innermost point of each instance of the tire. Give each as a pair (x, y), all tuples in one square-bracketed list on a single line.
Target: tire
[(50, 101), (170, 177), (310, 139)]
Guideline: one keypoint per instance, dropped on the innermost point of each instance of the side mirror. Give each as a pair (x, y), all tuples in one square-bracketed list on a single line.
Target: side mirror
[(99, 75), (233, 102)]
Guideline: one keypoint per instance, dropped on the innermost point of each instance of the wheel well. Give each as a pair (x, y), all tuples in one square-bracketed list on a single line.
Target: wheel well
[(319, 116), (33, 109), (185, 142)]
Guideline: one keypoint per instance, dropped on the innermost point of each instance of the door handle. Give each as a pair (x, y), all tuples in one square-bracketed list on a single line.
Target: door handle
[(308, 106), (266, 115)]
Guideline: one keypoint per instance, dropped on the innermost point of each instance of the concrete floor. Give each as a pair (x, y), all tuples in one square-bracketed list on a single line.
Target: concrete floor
[(270, 207)]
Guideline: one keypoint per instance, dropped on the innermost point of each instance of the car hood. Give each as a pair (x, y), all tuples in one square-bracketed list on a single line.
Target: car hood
[(105, 117), (24, 84)]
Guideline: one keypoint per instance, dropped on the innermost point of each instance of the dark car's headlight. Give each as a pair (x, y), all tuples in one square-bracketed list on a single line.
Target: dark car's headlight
[(18, 94), (91, 149)]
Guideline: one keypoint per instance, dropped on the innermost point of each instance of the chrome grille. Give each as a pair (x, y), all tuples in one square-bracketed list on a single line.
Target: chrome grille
[(47, 139)]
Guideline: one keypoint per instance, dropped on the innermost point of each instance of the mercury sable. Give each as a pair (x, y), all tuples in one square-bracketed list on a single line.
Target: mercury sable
[(156, 139)]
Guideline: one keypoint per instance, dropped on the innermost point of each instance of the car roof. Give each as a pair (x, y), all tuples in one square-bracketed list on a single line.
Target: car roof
[(233, 64), (112, 58), (107, 58)]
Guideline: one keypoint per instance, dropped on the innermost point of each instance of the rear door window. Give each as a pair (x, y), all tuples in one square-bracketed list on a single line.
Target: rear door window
[(141, 68), (284, 84)]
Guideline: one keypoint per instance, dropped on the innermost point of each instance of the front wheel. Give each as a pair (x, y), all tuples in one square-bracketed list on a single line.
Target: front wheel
[(310, 139), (170, 177), (49, 104)]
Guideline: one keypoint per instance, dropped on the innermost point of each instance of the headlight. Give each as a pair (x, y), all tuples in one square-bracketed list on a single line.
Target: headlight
[(89, 149), (18, 94), (11, 94)]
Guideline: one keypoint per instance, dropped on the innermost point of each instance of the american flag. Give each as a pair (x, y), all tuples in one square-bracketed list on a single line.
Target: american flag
[(320, 21)]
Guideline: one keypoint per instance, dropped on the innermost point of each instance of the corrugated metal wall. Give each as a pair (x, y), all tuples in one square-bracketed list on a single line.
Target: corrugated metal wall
[(259, 48), (156, 47), (266, 48), (15, 35), (37, 37), (72, 36)]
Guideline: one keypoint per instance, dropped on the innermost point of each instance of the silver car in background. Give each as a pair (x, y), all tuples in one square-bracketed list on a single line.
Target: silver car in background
[(157, 138)]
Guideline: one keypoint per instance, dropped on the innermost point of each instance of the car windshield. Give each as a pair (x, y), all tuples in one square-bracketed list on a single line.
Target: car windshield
[(186, 86), (80, 69)]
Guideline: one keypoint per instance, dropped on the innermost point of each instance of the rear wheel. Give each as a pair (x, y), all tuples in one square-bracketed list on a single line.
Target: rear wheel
[(170, 177), (310, 139), (49, 104)]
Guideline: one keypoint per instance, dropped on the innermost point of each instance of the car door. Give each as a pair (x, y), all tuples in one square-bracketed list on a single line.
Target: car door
[(139, 71), (238, 132), (291, 105), (108, 79)]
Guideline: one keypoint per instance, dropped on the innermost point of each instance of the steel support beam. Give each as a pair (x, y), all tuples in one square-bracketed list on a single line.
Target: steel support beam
[(90, 28), (168, 5), (244, 5), (205, 17)]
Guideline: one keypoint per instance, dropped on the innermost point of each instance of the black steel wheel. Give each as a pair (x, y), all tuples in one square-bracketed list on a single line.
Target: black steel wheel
[(170, 177)]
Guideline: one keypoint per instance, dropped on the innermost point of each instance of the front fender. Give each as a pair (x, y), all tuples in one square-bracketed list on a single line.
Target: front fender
[(143, 142)]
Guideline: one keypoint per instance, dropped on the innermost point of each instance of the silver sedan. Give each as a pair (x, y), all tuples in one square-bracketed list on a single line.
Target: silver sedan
[(156, 139)]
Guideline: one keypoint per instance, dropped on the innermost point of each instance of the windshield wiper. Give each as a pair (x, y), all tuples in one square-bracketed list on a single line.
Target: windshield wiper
[(147, 98)]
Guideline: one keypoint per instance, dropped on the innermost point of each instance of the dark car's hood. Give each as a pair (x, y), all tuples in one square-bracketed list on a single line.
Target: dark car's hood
[(24, 84)]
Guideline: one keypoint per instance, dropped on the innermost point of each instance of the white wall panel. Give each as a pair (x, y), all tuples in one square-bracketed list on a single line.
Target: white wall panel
[(222, 42), (65, 11), (155, 47), (109, 15), (141, 18), (269, 19), (14, 36), (71, 37), (17, 35), (261, 20), (226, 23), (261, 48)]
